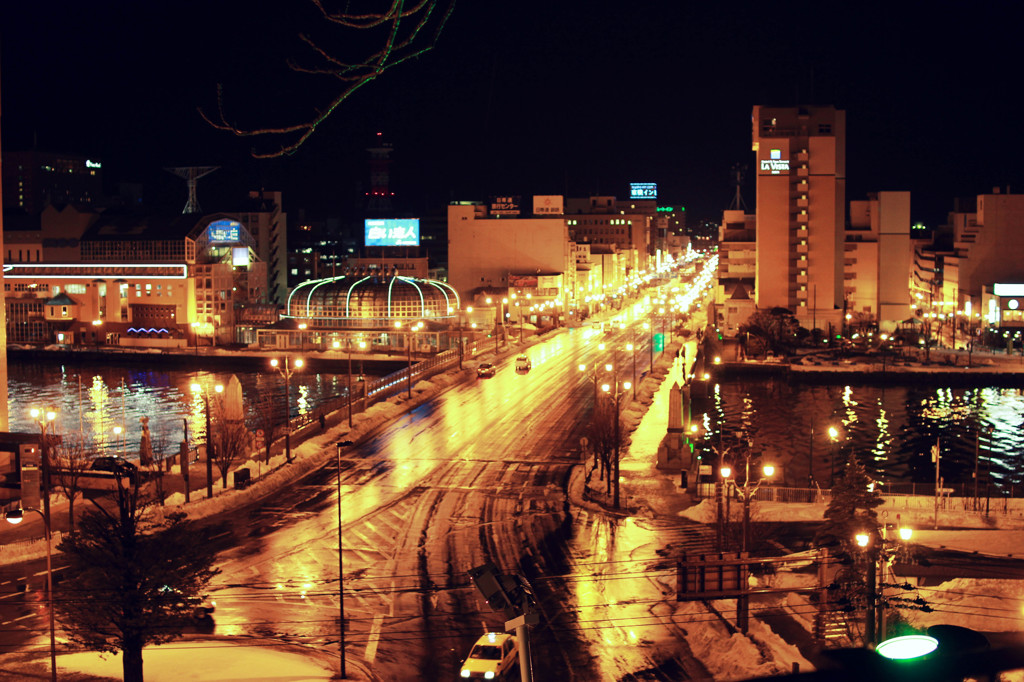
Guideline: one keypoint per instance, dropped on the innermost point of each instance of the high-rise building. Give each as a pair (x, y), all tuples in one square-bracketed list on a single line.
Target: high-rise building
[(800, 157), (878, 255), (33, 179)]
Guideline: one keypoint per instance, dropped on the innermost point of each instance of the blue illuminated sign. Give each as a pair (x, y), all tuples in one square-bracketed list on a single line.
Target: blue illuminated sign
[(392, 232), (224, 231), (643, 190)]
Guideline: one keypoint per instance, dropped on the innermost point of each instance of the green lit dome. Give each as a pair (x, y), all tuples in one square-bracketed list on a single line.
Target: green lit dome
[(370, 300)]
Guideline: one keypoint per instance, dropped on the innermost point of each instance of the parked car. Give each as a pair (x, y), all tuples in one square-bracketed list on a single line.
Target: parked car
[(523, 363), (200, 608), (113, 464), (486, 369), (494, 656)]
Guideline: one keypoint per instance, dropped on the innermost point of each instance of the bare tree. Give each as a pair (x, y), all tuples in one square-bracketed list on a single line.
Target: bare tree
[(70, 457), (134, 580), (400, 32), (268, 417), (163, 454), (602, 436), (232, 441)]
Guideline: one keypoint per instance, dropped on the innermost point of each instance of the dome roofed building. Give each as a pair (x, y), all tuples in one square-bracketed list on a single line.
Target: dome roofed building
[(374, 306)]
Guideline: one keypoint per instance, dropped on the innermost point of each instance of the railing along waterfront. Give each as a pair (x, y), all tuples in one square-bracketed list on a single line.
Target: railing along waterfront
[(920, 501)]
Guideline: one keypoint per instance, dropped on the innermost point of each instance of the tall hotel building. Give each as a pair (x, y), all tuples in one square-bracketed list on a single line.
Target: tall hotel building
[(801, 204)]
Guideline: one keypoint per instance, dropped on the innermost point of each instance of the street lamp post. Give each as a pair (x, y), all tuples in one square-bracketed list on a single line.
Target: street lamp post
[(341, 576), (880, 553), (618, 435), (16, 516), (409, 338), (650, 325), (199, 390), (632, 349), (987, 429), (286, 372), (504, 317), (362, 345), (44, 418), (833, 434), (746, 494)]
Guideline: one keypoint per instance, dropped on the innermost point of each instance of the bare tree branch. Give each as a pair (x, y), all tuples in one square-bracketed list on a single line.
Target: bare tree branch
[(400, 44), (70, 458)]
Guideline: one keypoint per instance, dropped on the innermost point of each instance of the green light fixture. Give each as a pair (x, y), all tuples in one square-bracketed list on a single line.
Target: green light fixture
[(907, 647)]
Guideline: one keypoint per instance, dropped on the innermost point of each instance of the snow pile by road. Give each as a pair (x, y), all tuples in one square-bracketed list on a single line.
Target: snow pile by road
[(978, 604), (203, 661), (733, 656)]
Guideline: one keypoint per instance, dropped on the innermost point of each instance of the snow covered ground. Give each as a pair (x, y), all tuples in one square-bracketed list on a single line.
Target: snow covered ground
[(185, 661), (986, 605)]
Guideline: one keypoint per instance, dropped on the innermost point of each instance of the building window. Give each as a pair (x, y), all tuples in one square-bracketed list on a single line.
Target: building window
[(824, 128)]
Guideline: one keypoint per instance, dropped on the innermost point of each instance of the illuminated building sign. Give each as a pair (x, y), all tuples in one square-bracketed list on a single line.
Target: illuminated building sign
[(1008, 289), (392, 231), (224, 231), (643, 190), (93, 164), (240, 256), (508, 205), (547, 205), (775, 164)]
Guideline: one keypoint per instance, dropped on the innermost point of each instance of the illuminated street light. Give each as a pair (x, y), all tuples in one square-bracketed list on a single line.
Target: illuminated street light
[(362, 346), (16, 516), (198, 390), (287, 372)]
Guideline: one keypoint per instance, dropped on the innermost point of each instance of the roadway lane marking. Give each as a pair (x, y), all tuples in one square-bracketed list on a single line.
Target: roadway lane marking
[(42, 573), (371, 644), (30, 615)]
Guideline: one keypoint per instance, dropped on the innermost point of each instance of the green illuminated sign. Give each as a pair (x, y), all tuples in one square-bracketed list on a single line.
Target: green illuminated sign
[(659, 342)]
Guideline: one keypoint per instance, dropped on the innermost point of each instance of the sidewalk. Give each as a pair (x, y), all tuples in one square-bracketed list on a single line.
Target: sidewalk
[(207, 659)]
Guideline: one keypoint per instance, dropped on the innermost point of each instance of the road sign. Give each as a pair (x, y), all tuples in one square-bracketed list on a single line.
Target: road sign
[(705, 470), (945, 491), (659, 342)]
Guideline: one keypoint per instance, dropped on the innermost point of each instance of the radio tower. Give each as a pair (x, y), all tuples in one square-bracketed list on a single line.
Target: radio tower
[(191, 175), (738, 171), (378, 199)]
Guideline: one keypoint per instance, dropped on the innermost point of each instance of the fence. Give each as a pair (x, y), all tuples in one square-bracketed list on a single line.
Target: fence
[(923, 501), (381, 388)]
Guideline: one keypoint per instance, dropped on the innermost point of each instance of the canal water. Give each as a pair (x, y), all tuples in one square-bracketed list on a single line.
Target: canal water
[(892, 428), (93, 401), (809, 429)]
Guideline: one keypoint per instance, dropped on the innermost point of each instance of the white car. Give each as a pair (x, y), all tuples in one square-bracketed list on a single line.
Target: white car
[(523, 363), (494, 656)]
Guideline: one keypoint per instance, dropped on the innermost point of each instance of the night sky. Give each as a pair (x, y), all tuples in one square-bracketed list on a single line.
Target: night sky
[(558, 97)]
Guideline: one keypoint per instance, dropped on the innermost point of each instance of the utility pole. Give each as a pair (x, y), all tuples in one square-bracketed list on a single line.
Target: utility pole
[(513, 595), (937, 458)]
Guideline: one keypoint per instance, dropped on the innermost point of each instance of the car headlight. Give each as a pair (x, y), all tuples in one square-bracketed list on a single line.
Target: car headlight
[(489, 675), (465, 672)]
